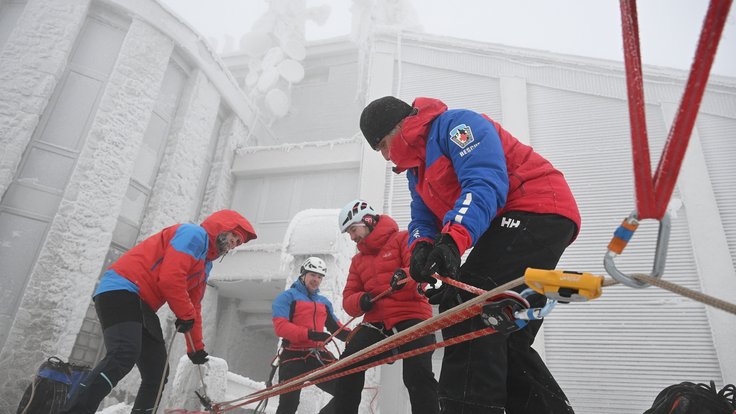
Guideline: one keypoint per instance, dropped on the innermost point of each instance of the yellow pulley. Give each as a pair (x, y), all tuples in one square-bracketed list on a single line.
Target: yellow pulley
[(564, 286)]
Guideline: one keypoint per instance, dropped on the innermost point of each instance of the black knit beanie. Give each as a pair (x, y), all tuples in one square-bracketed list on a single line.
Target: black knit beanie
[(381, 116)]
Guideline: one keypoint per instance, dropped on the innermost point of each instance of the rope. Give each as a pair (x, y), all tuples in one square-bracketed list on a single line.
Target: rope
[(680, 290), (452, 316), (407, 354), (345, 325), (163, 374), (458, 284)]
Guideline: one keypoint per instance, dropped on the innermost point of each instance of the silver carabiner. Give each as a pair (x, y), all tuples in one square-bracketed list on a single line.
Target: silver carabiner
[(660, 256)]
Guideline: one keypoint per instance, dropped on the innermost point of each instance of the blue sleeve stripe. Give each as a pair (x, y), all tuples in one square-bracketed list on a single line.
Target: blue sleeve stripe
[(190, 239)]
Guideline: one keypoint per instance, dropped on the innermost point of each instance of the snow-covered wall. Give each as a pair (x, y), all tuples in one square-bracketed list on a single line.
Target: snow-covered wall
[(193, 179), (33, 59), (58, 291), (173, 195)]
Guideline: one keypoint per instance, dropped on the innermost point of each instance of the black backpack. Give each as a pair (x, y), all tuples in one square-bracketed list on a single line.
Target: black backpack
[(55, 382), (689, 398)]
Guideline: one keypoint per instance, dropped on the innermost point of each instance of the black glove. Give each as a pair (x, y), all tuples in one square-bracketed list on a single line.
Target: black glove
[(419, 260), (435, 295), (184, 325), (443, 259), (399, 275), (318, 336), (198, 357), (365, 302)]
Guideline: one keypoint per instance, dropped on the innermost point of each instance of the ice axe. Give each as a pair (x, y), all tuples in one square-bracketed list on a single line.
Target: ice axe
[(203, 398)]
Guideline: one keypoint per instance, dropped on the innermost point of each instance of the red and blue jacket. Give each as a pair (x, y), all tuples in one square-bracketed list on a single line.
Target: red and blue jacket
[(464, 170), (380, 254), (295, 312), (173, 265)]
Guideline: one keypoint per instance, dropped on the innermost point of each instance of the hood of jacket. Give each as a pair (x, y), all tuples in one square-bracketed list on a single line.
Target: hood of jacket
[(222, 221)]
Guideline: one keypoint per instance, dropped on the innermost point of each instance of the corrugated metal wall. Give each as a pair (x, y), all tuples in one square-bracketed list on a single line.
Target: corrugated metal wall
[(717, 137), (615, 354)]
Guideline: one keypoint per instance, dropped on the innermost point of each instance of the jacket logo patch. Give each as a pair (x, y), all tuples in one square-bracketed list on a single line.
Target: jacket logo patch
[(461, 135), (509, 222)]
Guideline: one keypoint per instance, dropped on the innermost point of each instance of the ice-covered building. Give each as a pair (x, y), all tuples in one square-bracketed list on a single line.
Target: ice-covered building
[(117, 119)]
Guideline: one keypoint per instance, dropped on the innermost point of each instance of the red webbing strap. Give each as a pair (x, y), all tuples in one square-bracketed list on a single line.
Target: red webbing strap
[(452, 316), (679, 136), (653, 195), (635, 90)]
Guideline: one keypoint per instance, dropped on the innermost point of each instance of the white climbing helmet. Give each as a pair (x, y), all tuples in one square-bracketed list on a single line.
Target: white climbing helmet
[(353, 213), (314, 264)]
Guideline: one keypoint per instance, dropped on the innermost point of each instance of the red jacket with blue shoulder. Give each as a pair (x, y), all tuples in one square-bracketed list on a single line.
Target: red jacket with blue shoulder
[(172, 266), (464, 170), (295, 312), (380, 254)]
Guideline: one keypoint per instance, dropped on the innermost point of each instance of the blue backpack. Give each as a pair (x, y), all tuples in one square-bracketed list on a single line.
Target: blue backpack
[(55, 383)]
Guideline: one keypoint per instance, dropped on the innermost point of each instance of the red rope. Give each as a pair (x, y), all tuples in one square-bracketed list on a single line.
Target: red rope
[(300, 376), (408, 354), (374, 300), (452, 316), (459, 284), (653, 195)]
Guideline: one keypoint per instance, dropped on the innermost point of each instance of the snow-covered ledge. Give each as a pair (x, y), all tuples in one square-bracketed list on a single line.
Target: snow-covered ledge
[(308, 156)]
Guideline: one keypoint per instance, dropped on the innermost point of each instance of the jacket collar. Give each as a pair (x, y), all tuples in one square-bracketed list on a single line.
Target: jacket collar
[(301, 287), (408, 149), (378, 237)]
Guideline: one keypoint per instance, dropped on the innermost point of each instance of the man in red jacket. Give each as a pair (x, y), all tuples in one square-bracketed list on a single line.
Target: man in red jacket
[(171, 267), (381, 263), (474, 185)]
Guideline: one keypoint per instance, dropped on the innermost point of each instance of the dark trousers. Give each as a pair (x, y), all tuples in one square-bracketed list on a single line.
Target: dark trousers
[(417, 371), (497, 372), (294, 363), (133, 336)]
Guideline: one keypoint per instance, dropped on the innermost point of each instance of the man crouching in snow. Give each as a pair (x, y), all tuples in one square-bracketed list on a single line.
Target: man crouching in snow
[(171, 267)]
